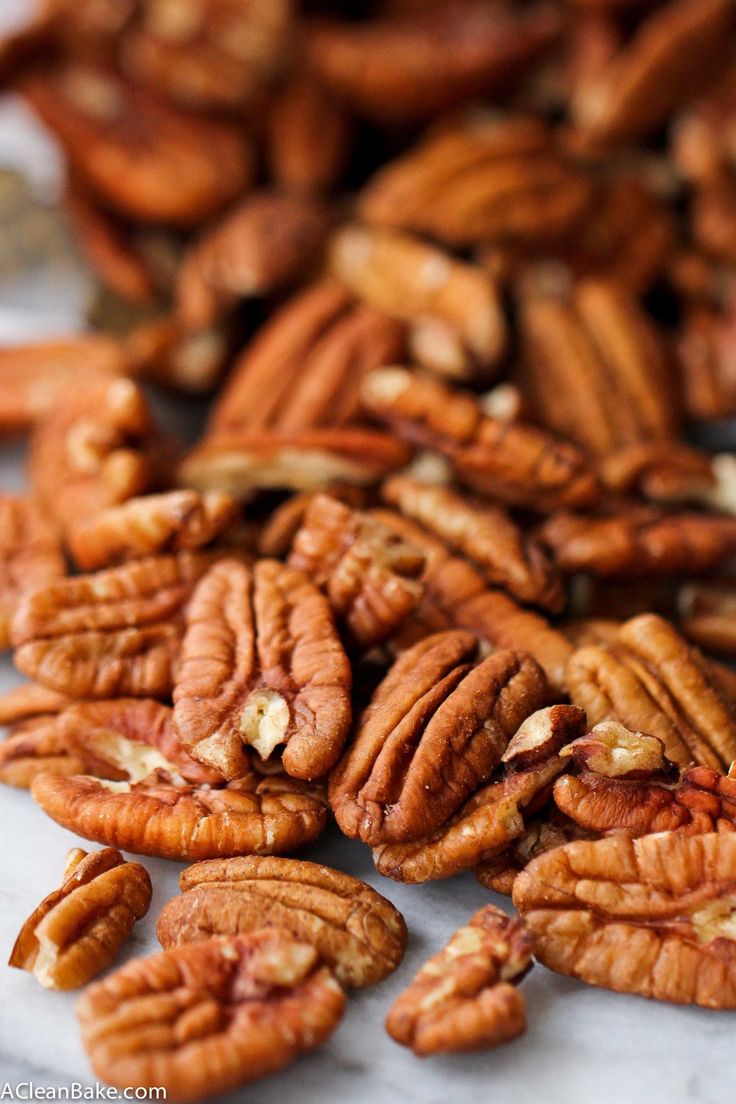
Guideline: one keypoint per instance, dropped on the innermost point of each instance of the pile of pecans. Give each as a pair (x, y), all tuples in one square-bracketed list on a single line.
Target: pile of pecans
[(460, 276)]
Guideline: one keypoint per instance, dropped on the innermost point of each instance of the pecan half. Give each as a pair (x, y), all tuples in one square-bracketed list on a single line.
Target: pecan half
[(666, 472), (355, 931), (652, 916), (513, 461), (262, 665), (34, 746), (466, 997), (78, 929), (708, 614), (207, 1017), (453, 310), (309, 137), (485, 533), (651, 681), (30, 555), (435, 729), (31, 699), (114, 632), (368, 573)]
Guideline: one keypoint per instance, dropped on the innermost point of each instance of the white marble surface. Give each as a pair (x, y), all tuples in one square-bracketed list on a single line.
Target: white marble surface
[(582, 1046)]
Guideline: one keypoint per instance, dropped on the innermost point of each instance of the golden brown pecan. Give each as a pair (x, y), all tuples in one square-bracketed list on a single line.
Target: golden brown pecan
[(495, 815), (208, 54), (593, 341), (261, 247), (672, 54), (309, 137), (137, 154), (34, 746), (170, 522), (484, 179), (276, 535), (513, 461), (453, 310), (79, 928), (542, 833), (262, 666), (465, 997), (35, 379), (708, 614), (368, 573), (434, 731), (30, 555), (666, 472), (652, 916), (651, 681), (485, 533), (402, 67), (355, 931), (30, 700), (113, 632), (201, 1019), (193, 361), (707, 362)]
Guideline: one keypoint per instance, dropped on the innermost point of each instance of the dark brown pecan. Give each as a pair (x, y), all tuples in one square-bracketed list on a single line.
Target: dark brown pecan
[(708, 365), (30, 555), (434, 731), (262, 665), (708, 614), (463, 998), (513, 461), (368, 573), (309, 137)]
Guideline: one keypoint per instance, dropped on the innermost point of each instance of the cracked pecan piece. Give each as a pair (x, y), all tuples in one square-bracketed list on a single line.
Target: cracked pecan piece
[(486, 534), (34, 746), (652, 916), (452, 308), (434, 731), (707, 614), (541, 834), (30, 555), (208, 1017), (368, 573), (309, 136), (262, 666), (77, 930), (113, 632), (152, 524), (651, 680), (512, 461), (466, 997), (494, 817), (355, 931)]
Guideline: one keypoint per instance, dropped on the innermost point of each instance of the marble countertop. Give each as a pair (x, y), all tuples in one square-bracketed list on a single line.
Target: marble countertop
[(582, 1046)]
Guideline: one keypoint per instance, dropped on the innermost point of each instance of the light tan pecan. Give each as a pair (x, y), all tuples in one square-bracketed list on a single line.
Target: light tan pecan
[(368, 573), (452, 308), (309, 137), (707, 614), (204, 1018), (34, 746), (113, 632), (434, 731), (652, 916), (506, 555), (355, 931), (78, 929), (652, 681), (466, 996), (262, 666), (30, 555), (170, 522)]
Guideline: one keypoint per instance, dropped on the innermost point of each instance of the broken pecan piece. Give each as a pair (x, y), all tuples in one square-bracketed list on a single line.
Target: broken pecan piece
[(466, 997), (262, 665), (355, 931), (652, 916), (434, 731), (30, 555), (541, 833), (78, 929), (207, 1017)]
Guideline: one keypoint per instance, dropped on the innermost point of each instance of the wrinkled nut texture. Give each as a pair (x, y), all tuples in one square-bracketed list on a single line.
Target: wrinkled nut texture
[(78, 929), (355, 931), (653, 916), (544, 832), (368, 573), (465, 998), (208, 1017), (262, 666), (434, 731), (30, 555), (34, 746)]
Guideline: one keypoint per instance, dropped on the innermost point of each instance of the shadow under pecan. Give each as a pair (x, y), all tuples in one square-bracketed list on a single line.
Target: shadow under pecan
[(434, 731), (113, 632), (355, 931), (466, 997), (652, 916), (204, 1018), (78, 929), (30, 555), (512, 461), (652, 681), (262, 665), (368, 573)]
